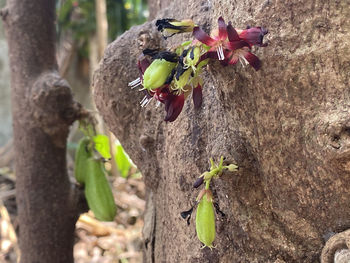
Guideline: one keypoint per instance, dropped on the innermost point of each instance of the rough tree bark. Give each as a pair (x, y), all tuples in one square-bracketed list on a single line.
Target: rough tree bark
[(287, 127), (43, 109)]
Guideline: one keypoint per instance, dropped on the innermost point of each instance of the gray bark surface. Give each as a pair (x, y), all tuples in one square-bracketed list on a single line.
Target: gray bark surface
[(43, 109), (286, 126)]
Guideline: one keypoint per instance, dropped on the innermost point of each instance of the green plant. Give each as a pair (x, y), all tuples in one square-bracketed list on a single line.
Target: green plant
[(205, 217), (122, 160), (78, 16), (93, 150)]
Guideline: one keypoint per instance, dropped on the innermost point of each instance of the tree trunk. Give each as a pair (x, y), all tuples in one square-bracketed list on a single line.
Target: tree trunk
[(286, 126), (101, 26), (43, 110)]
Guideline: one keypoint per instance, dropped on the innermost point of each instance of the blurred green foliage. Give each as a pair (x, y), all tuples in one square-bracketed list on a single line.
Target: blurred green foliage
[(122, 160), (102, 146), (79, 17)]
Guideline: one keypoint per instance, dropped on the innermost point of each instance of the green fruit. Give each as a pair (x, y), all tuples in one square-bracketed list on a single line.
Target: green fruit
[(82, 154), (193, 56), (98, 192), (157, 73), (205, 221), (183, 79)]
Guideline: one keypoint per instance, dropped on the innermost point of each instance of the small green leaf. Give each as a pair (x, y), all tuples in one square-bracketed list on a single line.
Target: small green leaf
[(122, 161), (102, 146)]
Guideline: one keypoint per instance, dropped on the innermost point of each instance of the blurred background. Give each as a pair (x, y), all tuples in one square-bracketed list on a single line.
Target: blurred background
[(84, 28)]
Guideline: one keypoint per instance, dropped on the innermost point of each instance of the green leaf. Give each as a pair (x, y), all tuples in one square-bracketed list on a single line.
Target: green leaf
[(122, 161), (102, 145)]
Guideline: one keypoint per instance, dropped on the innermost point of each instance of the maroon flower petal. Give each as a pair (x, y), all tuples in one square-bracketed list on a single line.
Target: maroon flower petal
[(162, 94), (254, 36), (222, 28), (209, 54), (143, 64), (173, 107), (233, 60), (203, 37), (253, 60), (232, 33), (237, 45), (197, 96)]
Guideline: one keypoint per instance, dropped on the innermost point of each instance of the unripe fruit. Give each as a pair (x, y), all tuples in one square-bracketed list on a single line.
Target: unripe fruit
[(205, 221), (82, 154), (98, 192), (193, 56), (183, 79), (157, 73)]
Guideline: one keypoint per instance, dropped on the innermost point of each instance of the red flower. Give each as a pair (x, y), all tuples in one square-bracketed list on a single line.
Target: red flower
[(239, 45), (245, 57), (173, 106), (217, 41), (230, 46), (172, 101)]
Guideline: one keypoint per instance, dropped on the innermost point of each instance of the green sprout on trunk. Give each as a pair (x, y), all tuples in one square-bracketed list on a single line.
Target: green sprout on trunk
[(205, 216)]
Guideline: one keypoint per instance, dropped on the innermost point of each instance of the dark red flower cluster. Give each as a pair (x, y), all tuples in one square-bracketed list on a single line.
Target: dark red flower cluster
[(170, 77), (230, 45)]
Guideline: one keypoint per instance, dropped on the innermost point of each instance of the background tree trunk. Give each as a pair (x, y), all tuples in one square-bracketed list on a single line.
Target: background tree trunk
[(286, 126), (5, 93), (43, 110)]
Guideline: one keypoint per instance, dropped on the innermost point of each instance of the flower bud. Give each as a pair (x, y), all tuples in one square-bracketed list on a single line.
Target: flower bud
[(198, 182), (232, 167), (157, 73), (205, 220), (173, 26)]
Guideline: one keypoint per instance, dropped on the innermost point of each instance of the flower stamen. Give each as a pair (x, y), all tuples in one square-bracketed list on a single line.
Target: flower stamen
[(220, 52), (144, 102), (243, 61), (133, 84)]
